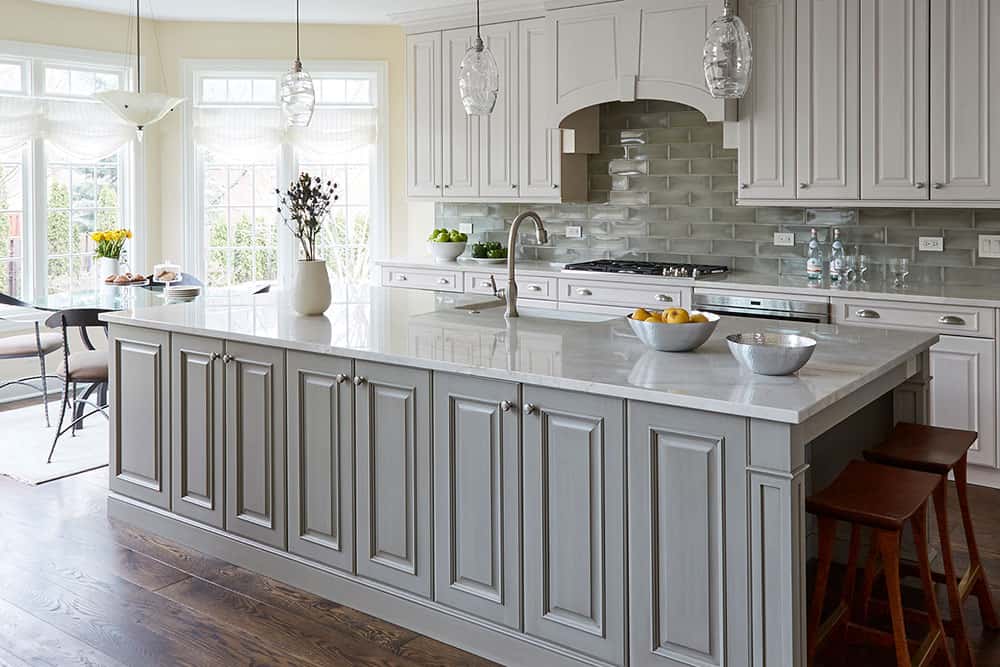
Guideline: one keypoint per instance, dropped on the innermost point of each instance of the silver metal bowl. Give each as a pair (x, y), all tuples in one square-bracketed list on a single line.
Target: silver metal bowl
[(771, 353), (675, 337)]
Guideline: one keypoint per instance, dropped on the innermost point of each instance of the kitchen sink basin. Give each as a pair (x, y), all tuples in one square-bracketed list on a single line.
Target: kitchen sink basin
[(529, 313)]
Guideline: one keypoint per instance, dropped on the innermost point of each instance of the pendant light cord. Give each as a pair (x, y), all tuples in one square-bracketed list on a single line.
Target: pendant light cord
[(298, 55), (138, 50)]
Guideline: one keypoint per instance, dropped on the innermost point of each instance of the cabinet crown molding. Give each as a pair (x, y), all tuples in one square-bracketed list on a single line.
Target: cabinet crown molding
[(450, 17)]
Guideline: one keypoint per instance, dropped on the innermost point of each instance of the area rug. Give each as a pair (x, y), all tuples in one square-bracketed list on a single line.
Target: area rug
[(25, 443)]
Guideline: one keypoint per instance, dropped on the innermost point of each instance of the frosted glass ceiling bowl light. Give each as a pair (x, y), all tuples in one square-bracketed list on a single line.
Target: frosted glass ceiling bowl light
[(728, 56), (478, 77), (298, 94), (138, 108)]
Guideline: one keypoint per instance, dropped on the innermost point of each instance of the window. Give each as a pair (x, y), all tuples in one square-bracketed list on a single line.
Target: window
[(240, 152), (67, 81), (12, 223)]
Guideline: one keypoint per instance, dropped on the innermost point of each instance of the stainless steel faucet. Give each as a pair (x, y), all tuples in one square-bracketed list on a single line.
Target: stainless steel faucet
[(542, 235)]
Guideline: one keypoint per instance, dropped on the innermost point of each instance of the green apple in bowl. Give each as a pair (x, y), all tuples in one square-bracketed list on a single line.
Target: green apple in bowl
[(445, 245)]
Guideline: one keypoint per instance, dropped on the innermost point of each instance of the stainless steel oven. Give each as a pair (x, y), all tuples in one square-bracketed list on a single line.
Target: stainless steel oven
[(770, 308)]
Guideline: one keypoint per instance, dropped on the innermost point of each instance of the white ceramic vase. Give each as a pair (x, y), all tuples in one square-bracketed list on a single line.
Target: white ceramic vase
[(106, 266), (312, 287)]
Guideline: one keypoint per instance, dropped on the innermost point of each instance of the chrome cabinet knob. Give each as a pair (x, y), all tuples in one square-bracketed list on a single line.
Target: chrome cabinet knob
[(486, 284), (506, 406), (952, 320), (920, 185), (226, 358), (442, 281), (555, 186), (214, 356), (401, 277), (803, 186), (530, 408), (437, 187), (340, 378), (938, 186), (743, 186), (359, 380), (534, 288), (583, 291), (867, 314), (514, 186), (664, 298)]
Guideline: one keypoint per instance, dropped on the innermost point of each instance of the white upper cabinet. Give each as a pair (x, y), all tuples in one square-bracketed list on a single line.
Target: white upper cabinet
[(423, 115), (894, 99), (498, 132), (461, 131), (965, 109), (827, 97), (767, 112), (540, 142)]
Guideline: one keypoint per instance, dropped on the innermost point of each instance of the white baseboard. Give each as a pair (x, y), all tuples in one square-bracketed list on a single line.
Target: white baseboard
[(984, 477), (18, 393)]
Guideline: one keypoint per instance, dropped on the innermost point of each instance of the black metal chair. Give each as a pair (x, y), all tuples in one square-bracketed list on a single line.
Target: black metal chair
[(30, 346), (88, 366)]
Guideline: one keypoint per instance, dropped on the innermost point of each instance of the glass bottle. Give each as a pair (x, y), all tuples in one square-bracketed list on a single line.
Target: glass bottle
[(837, 258), (814, 261)]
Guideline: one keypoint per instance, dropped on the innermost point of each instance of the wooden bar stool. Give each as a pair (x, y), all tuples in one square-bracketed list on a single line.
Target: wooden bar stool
[(883, 499), (941, 451)]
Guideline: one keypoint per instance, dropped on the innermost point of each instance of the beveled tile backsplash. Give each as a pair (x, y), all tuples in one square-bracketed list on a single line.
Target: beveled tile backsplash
[(673, 198)]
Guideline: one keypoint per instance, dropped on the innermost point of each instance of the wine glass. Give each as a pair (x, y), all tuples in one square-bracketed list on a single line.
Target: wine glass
[(900, 269), (861, 266)]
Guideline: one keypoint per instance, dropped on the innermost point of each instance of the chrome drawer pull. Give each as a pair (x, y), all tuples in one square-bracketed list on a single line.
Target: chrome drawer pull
[(583, 291), (664, 298), (534, 288), (952, 320), (486, 284), (442, 281), (866, 314)]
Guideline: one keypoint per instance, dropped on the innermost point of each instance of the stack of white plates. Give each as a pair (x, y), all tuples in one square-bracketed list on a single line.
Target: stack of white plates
[(181, 291)]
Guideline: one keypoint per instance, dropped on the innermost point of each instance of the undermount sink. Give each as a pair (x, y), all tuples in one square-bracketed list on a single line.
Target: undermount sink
[(529, 313)]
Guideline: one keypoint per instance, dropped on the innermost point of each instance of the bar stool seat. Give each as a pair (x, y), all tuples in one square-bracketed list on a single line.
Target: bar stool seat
[(929, 448), (883, 499)]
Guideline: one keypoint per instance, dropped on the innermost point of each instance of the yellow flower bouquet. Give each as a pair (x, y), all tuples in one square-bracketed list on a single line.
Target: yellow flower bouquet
[(110, 242)]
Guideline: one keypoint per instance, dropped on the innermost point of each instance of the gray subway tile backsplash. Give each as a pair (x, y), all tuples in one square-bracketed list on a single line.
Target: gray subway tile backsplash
[(663, 188)]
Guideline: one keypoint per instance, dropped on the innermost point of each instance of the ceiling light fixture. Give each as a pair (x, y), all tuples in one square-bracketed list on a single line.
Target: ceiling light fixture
[(138, 108), (298, 95), (728, 56), (478, 77)]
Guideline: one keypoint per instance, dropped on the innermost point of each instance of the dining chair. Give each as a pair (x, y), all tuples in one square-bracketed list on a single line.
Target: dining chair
[(30, 346), (88, 366)]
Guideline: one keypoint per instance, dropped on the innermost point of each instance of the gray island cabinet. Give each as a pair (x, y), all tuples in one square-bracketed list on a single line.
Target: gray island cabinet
[(544, 491)]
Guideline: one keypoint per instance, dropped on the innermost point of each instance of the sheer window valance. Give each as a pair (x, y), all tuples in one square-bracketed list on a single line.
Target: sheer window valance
[(252, 135), (85, 130)]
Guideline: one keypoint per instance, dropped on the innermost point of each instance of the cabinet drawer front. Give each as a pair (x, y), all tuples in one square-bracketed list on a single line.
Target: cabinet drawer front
[(442, 281), (628, 295), (528, 287), (960, 320)]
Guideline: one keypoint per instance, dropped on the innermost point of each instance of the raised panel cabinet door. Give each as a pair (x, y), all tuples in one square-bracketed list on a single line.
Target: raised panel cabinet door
[(963, 392), (767, 111), (540, 144), (139, 378), (828, 90), (321, 459), (198, 435), (460, 130), (965, 111), (423, 115), (574, 516), (678, 497), (393, 452), (895, 133), (255, 443), (498, 132), (477, 500)]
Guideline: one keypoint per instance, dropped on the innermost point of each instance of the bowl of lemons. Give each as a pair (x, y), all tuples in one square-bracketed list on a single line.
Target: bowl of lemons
[(674, 329)]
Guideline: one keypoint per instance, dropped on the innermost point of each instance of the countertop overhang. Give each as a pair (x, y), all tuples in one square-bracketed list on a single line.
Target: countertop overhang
[(427, 330)]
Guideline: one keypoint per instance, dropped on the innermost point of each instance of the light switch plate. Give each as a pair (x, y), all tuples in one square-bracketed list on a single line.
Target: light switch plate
[(465, 227), (931, 244), (574, 232), (989, 246), (784, 240)]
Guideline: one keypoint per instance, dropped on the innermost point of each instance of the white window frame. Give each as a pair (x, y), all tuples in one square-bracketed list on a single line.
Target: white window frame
[(193, 71), (131, 175)]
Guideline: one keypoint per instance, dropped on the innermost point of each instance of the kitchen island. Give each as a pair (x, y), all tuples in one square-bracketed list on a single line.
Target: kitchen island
[(543, 491)]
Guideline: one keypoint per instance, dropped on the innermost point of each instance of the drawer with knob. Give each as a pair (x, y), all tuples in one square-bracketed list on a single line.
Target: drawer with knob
[(624, 294), (955, 320), (425, 279), (529, 287)]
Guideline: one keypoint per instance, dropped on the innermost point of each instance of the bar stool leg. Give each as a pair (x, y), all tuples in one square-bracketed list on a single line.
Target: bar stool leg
[(827, 533), (936, 639), (888, 545), (868, 583), (963, 649), (981, 588)]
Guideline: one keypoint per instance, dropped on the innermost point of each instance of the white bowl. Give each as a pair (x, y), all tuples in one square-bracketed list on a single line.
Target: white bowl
[(445, 252), (675, 337), (768, 353)]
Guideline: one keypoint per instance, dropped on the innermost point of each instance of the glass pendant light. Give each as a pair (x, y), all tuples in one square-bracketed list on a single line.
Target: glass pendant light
[(298, 95), (138, 108), (728, 56), (478, 77)]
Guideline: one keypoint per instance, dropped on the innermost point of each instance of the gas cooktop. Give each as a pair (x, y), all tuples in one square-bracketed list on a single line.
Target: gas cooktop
[(670, 269)]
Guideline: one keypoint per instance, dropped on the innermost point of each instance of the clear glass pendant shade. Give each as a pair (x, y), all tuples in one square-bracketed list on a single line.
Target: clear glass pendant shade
[(728, 57), (298, 96), (479, 80)]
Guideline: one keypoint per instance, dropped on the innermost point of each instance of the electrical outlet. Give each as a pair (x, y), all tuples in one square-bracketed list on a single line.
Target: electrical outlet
[(989, 246), (931, 244), (574, 232), (784, 240), (465, 227)]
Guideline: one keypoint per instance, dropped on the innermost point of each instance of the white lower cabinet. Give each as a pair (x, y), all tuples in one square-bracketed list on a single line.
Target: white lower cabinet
[(963, 392), (393, 467), (574, 515), (477, 501)]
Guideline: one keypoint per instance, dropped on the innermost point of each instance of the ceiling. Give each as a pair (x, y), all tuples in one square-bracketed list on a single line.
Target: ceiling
[(265, 11)]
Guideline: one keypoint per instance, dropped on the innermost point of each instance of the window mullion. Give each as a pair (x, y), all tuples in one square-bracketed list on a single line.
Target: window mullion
[(36, 248)]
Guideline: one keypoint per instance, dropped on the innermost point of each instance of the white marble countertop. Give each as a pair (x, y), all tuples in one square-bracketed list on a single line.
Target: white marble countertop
[(424, 329), (954, 295)]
